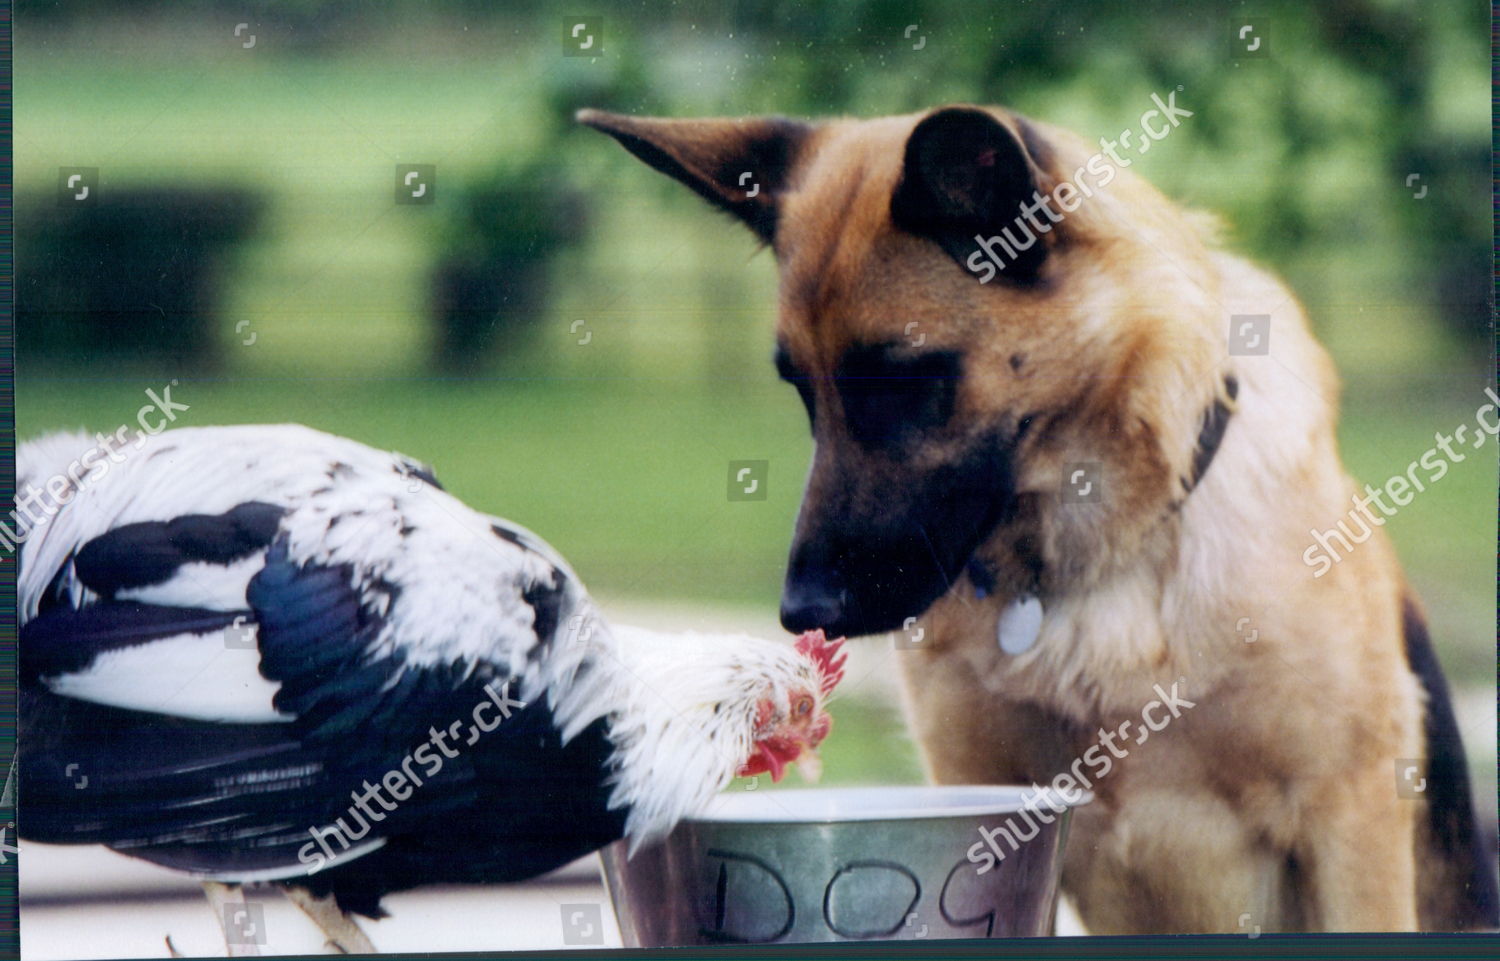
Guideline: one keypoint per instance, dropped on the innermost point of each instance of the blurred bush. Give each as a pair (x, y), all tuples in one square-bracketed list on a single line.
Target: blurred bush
[(491, 279), (502, 230), (136, 273)]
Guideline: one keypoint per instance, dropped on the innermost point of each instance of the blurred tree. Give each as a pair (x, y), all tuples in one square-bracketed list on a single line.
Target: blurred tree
[(503, 229), (491, 278)]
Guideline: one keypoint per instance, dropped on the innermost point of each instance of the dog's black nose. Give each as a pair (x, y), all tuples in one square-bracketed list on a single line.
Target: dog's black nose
[(814, 597), (818, 612)]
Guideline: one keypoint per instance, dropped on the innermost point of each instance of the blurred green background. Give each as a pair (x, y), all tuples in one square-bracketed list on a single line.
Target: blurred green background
[(580, 345)]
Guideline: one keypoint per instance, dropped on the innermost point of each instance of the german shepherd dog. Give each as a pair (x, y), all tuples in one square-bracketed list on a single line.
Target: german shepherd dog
[(1046, 458)]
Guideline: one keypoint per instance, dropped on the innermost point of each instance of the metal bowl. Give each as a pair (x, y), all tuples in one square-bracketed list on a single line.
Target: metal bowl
[(846, 864)]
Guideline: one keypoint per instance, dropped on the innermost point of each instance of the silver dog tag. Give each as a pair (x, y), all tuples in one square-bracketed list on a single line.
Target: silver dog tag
[(1020, 623)]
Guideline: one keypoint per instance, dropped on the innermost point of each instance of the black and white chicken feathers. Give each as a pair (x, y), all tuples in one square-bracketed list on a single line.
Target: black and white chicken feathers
[(232, 634)]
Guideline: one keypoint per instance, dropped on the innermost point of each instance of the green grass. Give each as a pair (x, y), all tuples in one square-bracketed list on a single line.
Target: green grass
[(628, 478), (1446, 535)]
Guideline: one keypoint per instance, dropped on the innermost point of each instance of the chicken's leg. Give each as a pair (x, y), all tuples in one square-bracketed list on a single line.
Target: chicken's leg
[(343, 934), (242, 928)]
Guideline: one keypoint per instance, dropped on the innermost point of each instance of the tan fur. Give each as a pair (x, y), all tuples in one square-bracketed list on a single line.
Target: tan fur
[(1274, 799)]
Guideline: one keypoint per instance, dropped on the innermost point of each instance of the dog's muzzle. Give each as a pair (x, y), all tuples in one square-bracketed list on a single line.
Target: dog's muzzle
[(871, 588), (866, 559)]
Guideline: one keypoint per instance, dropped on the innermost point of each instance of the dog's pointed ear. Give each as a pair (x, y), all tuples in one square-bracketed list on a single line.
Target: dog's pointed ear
[(966, 174), (741, 166)]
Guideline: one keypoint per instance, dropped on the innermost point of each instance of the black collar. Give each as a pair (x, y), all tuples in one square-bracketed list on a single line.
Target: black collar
[(1211, 433)]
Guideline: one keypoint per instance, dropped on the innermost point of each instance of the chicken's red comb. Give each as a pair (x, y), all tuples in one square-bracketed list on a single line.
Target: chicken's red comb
[(826, 654)]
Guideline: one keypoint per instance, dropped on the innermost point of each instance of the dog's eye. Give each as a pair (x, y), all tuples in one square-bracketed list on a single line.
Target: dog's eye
[(789, 373), (890, 398)]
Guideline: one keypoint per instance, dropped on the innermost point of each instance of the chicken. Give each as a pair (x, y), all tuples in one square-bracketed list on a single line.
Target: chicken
[(271, 654)]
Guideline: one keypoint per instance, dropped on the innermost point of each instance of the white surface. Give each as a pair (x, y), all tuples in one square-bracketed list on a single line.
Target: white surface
[(131, 907)]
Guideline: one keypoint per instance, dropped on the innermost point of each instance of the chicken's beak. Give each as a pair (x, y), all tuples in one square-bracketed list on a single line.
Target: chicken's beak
[(774, 755)]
